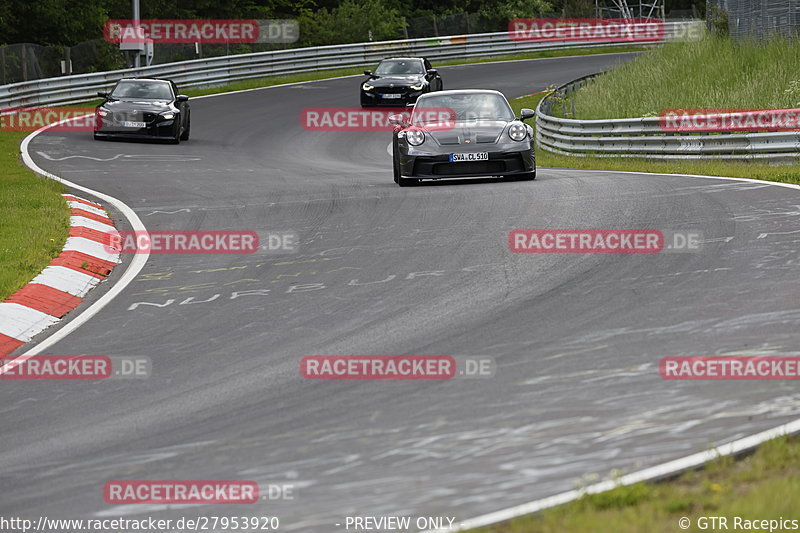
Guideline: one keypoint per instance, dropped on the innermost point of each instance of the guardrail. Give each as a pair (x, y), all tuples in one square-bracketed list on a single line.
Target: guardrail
[(646, 138), (221, 70)]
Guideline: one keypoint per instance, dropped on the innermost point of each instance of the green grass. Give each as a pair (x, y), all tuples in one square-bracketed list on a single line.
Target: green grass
[(34, 219), (714, 73), (737, 169), (764, 485)]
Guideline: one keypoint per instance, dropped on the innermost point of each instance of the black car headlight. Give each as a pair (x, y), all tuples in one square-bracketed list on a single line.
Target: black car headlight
[(415, 137), (102, 112), (517, 131), (168, 115), (418, 87), (367, 86)]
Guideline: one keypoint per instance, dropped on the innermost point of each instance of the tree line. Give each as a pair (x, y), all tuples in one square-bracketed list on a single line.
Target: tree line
[(68, 22)]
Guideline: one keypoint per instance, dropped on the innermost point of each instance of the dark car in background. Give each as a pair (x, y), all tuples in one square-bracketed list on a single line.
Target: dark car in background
[(399, 81), (480, 138), (143, 108)]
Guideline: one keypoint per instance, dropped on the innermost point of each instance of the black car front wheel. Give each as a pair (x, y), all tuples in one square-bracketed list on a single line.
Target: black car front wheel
[(185, 135), (528, 176), (176, 138), (407, 182), (396, 169)]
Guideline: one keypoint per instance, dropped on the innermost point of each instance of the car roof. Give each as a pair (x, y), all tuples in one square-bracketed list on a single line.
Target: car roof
[(461, 91), (146, 79), (402, 59)]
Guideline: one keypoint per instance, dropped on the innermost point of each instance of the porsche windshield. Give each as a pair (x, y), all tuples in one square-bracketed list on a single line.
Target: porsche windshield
[(142, 90), (399, 67), (465, 107)]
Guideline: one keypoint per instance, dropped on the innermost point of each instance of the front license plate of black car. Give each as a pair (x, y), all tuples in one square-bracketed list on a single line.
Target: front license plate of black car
[(129, 124), (392, 96), (475, 156)]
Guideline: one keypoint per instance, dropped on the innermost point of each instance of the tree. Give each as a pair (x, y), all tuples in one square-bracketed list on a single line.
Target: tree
[(353, 21), (509, 10)]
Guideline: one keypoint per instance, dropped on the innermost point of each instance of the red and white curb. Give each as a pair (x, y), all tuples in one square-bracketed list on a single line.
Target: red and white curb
[(85, 260)]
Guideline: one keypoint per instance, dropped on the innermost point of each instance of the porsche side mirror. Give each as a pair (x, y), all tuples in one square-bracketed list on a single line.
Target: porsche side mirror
[(397, 120), (526, 113)]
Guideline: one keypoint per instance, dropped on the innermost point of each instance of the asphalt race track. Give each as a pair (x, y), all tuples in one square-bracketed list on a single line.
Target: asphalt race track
[(382, 270)]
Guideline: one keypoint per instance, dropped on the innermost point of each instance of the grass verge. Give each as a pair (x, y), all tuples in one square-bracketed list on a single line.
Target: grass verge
[(713, 73), (34, 219), (736, 169), (762, 486)]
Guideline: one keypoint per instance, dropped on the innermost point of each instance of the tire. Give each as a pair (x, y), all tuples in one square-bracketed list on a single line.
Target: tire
[(407, 182), (398, 178), (176, 139), (528, 176), (185, 135)]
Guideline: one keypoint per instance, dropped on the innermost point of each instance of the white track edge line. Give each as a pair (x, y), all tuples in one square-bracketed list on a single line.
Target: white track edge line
[(137, 263), (705, 176), (648, 474)]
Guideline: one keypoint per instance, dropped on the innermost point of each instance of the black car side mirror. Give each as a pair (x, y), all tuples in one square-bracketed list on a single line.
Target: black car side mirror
[(370, 74), (102, 94), (181, 98), (526, 113), (433, 71)]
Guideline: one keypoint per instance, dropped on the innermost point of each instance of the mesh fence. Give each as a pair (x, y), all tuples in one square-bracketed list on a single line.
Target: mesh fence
[(756, 18)]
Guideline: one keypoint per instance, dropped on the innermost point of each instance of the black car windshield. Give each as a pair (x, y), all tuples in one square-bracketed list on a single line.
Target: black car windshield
[(399, 66), (464, 107), (142, 90)]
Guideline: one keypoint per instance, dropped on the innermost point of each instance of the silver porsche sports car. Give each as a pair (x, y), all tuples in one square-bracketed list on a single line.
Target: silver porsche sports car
[(462, 134)]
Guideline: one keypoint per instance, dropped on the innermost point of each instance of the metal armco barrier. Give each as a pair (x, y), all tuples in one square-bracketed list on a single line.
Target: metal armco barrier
[(221, 70), (645, 137)]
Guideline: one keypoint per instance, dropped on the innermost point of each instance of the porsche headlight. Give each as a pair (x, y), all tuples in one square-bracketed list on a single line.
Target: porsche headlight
[(415, 137), (367, 86), (169, 115), (418, 87), (517, 131)]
